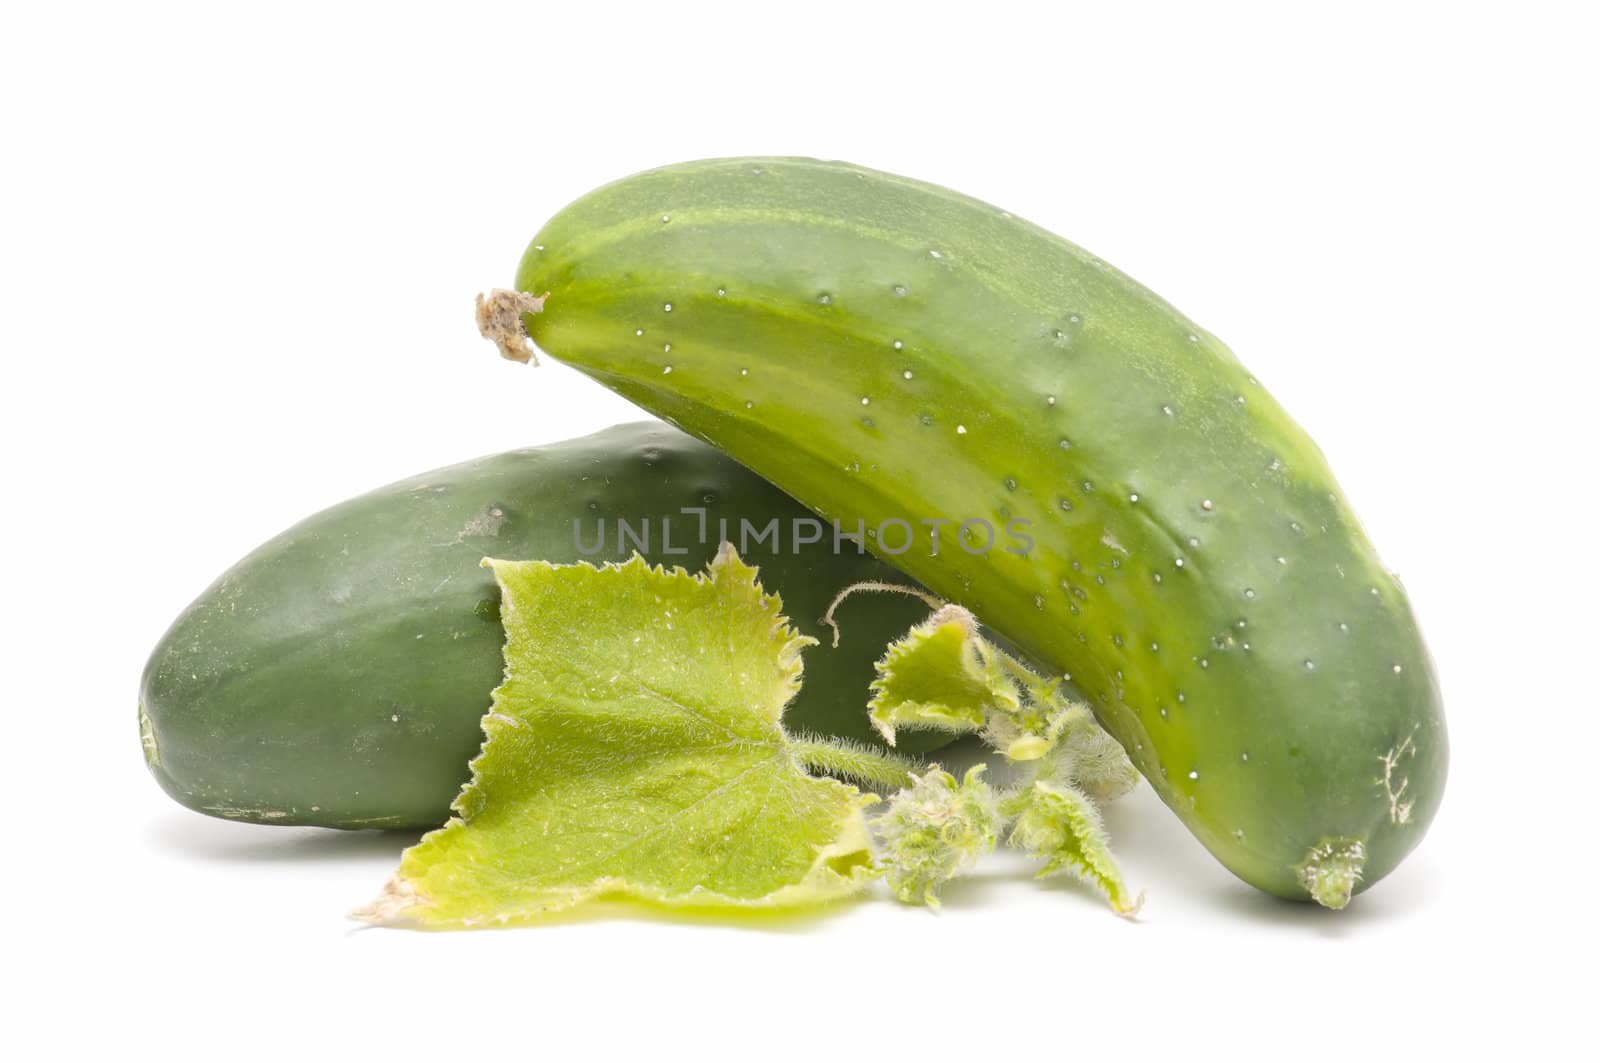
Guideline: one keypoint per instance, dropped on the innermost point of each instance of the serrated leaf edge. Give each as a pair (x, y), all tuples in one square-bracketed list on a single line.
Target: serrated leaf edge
[(402, 902)]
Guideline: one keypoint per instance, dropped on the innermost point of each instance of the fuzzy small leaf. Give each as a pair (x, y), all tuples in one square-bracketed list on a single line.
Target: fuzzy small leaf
[(635, 749), (1090, 758), (1060, 825), (936, 677), (934, 830)]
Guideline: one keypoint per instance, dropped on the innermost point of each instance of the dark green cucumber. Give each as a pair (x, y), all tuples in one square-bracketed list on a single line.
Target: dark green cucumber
[(888, 350), (337, 675)]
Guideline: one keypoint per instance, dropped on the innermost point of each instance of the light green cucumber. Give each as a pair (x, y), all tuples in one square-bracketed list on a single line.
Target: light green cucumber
[(890, 351), (338, 674)]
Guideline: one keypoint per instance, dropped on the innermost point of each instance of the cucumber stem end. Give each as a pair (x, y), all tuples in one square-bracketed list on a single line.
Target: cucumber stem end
[(500, 315)]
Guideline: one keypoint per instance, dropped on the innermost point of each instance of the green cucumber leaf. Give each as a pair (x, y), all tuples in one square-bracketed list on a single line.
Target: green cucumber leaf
[(944, 674), (937, 677), (636, 750), (1059, 824)]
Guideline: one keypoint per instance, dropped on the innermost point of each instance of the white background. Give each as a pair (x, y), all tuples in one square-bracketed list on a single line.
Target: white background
[(238, 249)]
